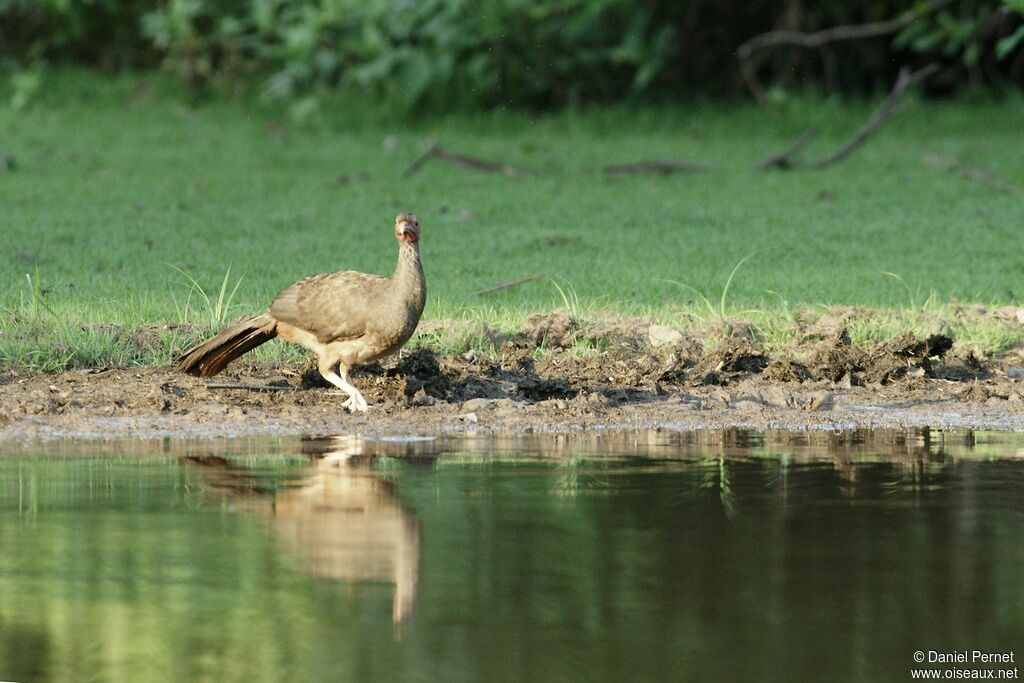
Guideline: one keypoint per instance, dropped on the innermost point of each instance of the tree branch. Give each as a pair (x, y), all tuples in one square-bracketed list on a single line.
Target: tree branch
[(745, 53), (787, 158), (665, 167), (885, 111), (436, 151)]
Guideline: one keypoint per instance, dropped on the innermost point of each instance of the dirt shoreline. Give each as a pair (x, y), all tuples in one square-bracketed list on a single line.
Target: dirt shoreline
[(638, 377), (160, 403)]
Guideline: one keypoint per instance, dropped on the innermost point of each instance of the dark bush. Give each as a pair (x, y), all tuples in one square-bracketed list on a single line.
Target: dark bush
[(537, 53), (99, 32)]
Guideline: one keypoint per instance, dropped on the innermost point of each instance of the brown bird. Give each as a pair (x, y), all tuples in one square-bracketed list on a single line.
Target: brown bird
[(345, 318)]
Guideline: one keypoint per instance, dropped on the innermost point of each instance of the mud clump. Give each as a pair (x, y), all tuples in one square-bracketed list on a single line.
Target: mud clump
[(836, 359), (906, 356), (786, 370), (909, 346), (962, 369), (734, 357), (423, 376), (556, 329)]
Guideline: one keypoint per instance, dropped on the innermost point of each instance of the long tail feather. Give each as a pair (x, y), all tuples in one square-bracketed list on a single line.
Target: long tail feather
[(210, 357)]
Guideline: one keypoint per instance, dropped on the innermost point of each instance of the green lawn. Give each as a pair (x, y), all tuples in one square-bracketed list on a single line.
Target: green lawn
[(114, 183)]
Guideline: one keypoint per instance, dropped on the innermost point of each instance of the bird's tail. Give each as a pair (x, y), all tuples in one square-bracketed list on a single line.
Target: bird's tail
[(210, 357)]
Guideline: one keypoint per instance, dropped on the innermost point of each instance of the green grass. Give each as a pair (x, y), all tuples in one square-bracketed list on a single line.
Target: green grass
[(123, 193)]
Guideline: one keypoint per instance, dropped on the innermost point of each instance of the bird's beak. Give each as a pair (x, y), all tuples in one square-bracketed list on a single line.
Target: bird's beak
[(407, 232)]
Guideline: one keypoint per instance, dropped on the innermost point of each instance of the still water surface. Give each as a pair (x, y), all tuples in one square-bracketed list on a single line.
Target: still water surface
[(648, 556)]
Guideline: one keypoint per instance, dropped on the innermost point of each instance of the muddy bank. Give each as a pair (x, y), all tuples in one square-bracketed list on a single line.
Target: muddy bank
[(540, 380)]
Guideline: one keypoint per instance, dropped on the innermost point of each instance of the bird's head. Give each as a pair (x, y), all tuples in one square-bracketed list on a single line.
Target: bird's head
[(407, 227)]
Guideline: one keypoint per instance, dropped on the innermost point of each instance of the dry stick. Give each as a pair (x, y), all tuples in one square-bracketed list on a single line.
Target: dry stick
[(976, 173), (787, 157), (665, 167), (506, 285), (474, 163), (986, 178), (421, 159), (746, 51), (436, 151), (885, 111), (248, 387)]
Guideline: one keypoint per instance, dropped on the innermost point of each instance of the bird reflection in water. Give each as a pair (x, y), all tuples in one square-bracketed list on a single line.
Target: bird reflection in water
[(340, 521)]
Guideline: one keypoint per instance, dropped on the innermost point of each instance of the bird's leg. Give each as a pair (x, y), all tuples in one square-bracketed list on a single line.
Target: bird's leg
[(341, 379)]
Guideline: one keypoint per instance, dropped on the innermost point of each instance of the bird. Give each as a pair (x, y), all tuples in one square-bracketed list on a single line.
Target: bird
[(345, 318)]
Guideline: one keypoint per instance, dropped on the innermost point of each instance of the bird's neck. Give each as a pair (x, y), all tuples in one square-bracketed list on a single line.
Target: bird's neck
[(408, 278)]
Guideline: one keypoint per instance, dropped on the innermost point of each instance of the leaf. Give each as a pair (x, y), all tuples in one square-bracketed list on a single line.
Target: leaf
[(972, 53), (1008, 44), (909, 34), (928, 42), (1015, 6), (414, 78), (25, 85), (302, 109)]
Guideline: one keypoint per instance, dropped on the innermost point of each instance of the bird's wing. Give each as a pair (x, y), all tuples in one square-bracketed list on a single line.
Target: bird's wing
[(332, 307)]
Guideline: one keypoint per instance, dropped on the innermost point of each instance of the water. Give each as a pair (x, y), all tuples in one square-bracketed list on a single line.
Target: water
[(650, 556)]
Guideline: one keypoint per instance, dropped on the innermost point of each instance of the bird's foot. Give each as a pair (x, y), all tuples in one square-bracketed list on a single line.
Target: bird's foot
[(355, 404)]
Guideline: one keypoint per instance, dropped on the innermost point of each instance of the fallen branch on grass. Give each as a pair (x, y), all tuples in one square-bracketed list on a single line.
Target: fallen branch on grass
[(787, 158), (664, 167), (436, 151), (890, 107), (745, 53), (975, 173), (906, 80), (506, 285)]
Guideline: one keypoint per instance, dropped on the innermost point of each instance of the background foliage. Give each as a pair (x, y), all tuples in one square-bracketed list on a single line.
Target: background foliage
[(489, 52)]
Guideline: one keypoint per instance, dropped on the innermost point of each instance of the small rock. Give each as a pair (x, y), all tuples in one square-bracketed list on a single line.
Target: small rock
[(776, 396), (819, 400), (1015, 373), (475, 404), (505, 404), (468, 417), (422, 398), (662, 335), (33, 408), (1020, 315), (747, 404), (509, 388)]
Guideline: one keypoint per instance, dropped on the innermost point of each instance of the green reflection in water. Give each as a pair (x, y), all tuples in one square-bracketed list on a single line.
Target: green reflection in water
[(646, 556)]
